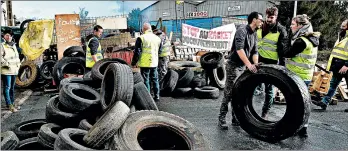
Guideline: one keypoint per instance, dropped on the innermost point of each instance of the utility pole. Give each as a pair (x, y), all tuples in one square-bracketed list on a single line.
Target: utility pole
[(123, 8), (9, 13), (295, 8)]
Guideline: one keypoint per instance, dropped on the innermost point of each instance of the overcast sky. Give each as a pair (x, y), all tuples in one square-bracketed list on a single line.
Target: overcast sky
[(47, 9)]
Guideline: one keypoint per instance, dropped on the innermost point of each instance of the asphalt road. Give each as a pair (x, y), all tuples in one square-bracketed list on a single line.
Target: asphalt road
[(327, 130)]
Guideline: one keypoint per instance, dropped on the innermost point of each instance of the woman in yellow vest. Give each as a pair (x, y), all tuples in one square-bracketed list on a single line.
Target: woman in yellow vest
[(10, 64), (303, 52), (338, 64)]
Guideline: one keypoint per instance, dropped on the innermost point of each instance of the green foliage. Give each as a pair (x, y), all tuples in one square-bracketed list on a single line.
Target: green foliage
[(133, 19)]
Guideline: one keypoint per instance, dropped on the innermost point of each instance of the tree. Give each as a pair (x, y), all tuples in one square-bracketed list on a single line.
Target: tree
[(133, 19), (83, 13)]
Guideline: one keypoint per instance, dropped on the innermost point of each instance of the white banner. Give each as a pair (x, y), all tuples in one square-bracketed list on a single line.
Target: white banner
[(112, 23), (217, 39)]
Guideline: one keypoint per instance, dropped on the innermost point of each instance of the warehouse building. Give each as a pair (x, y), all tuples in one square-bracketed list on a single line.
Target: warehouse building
[(203, 14)]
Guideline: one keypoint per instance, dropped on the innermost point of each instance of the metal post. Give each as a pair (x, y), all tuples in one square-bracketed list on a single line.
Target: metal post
[(295, 8)]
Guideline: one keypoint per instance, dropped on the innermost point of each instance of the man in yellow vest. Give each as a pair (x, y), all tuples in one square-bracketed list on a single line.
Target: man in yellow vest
[(302, 53), (10, 64), (164, 56), (272, 42), (147, 48), (93, 49), (338, 64)]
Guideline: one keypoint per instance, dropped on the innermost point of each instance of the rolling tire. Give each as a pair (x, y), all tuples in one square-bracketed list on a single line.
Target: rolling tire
[(142, 98), (28, 129), (207, 92), (48, 134), (168, 83), (9, 140), (151, 130), (100, 66), (218, 77), (47, 75), (295, 92), (72, 64), (74, 51), (211, 60), (34, 70), (117, 85)]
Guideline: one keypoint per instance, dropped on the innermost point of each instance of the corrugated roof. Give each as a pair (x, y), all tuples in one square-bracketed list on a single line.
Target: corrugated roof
[(187, 1)]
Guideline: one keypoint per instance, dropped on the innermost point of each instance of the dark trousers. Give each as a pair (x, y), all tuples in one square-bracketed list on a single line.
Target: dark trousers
[(151, 74), (9, 83), (335, 81), (162, 67), (233, 72)]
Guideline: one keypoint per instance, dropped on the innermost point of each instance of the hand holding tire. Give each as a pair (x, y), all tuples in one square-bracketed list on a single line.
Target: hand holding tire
[(252, 68)]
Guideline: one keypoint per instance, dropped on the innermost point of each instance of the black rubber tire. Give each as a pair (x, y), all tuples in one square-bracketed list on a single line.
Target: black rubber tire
[(71, 139), (21, 27), (28, 129), (180, 65), (117, 85), (74, 51), (9, 140), (48, 134), (56, 113), (128, 136), (78, 62), (197, 82), (142, 98), (132, 109), (211, 60), (78, 97), (99, 67), (107, 125), (138, 77), (185, 78), (207, 92), (296, 95), (86, 124), (50, 65), (218, 77), (34, 69), (90, 82), (87, 76), (31, 144), (168, 83), (182, 92)]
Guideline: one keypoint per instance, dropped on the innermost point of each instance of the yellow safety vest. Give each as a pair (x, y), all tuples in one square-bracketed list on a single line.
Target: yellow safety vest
[(150, 46), (89, 61), (267, 46), (166, 49), (10, 57), (303, 63), (340, 51)]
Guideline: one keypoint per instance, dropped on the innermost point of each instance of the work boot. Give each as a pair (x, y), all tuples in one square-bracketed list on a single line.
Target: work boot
[(235, 122), (222, 122), (321, 104), (303, 132)]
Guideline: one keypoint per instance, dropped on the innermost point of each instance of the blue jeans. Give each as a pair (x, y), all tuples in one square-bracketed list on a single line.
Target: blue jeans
[(9, 83), (335, 81), (151, 74)]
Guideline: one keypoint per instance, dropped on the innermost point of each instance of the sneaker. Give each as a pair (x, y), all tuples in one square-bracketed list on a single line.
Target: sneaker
[(13, 109), (321, 104), (222, 124), (235, 122), (303, 132)]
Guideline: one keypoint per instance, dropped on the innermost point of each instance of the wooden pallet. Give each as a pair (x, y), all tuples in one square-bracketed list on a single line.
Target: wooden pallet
[(343, 90), (320, 83)]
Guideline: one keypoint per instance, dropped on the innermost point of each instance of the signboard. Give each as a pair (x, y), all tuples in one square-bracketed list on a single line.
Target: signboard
[(165, 14), (217, 39), (67, 32), (197, 14), (234, 8), (112, 23)]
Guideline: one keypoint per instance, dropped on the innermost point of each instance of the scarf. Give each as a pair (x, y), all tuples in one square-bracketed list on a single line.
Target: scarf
[(305, 30)]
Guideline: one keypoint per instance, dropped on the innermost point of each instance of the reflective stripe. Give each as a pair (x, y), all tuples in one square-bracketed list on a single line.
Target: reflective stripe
[(339, 48), (267, 48), (307, 66), (269, 41), (333, 53), (313, 56)]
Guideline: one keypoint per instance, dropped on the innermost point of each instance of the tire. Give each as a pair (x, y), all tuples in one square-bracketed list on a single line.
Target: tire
[(168, 83), (295, 93), (163, 131), (86, 124), (87, 76), (180, 65), (78, 97), (70, 64), (132, 109), (218, 77), (211, 60), (183, 92), (117, 85), (99, 67), (197, 82), (47, 75), (56, 113), (21, 27), (185, 78), (9, 140), (74, 51), (48, 134), (138, 77), (71, 139), (92, 83), (31, 144), (142, 98), (28, 129), (207, 92), (107, 125), (34, 72)]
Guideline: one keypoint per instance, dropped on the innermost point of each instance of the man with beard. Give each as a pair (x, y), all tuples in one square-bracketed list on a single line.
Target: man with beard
[(244, 48), (338, 64), (272, 42)]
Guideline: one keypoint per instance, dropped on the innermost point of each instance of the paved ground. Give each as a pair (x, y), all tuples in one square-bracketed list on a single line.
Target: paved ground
[(327, 130)]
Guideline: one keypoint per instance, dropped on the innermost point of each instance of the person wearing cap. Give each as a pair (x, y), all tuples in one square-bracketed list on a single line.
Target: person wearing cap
[(10, 64), (164, 56)]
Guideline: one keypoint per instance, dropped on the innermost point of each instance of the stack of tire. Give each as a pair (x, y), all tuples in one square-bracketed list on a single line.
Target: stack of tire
[(80, 118)]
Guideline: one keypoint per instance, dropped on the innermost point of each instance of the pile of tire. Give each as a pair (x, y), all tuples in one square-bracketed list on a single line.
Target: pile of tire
[(213, 65), (122, 116)]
